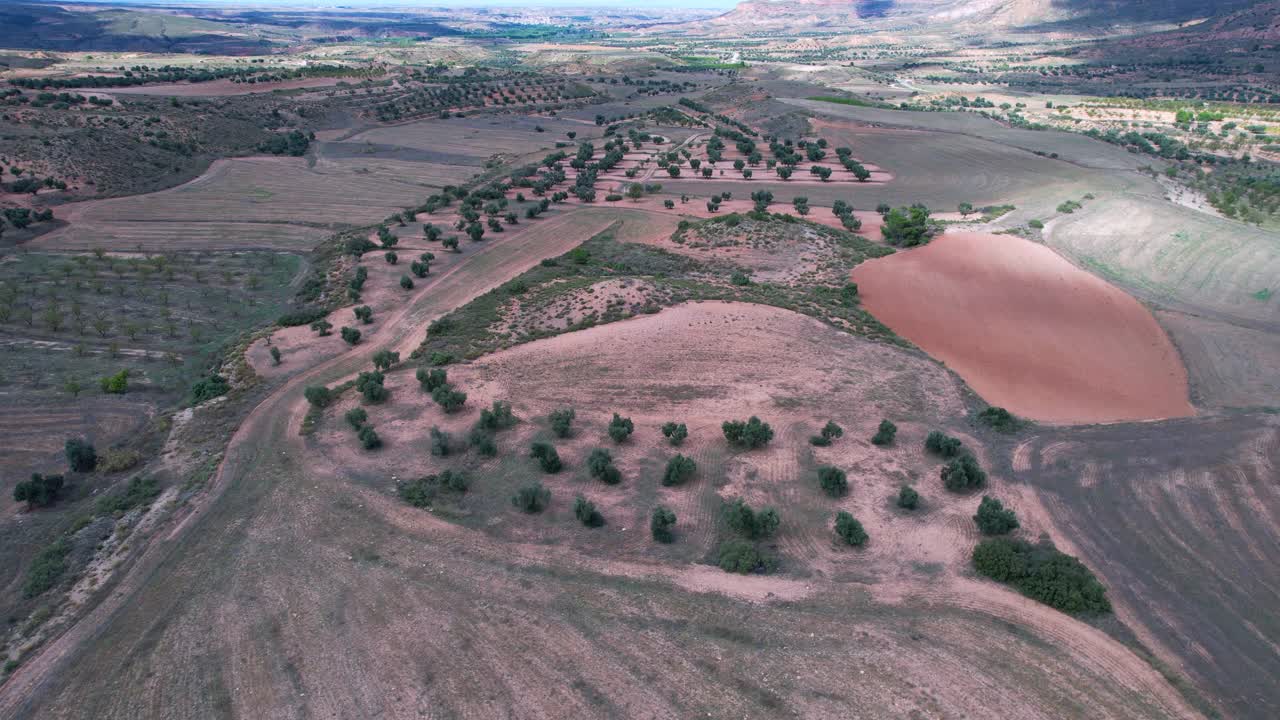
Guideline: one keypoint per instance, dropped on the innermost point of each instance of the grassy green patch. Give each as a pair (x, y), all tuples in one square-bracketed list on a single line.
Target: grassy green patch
[(843, 100), (1263, 294)]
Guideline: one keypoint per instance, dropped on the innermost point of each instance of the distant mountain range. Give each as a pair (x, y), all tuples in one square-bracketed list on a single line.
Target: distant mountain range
[(836, 14)]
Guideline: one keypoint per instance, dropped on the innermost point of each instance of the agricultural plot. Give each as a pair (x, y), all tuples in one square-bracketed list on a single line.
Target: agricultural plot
[(247, 203), (477, 137), (1073, 148), (1180, 519), (1175, 256), (1027, 330), (72, 320)]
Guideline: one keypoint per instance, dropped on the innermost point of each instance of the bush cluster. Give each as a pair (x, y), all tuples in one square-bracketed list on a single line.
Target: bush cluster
[(1043, 573), (750, 434)]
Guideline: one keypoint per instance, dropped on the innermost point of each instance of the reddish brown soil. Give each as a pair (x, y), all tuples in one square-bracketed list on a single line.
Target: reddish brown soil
[(1028, 330)]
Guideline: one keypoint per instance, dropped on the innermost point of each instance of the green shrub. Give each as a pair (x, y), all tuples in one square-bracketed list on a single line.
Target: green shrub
[(680, 469), (138, 493), (908, 498), (993, 518), (885, 433), (384, 359), (829, 433), (963, 473), (422, 492), (1000, 419), (483, 441), (562, 422), (117, 384), (369, 439), (548, 458), (586, 512), (350, 335), (1036, 224), (440, 442), (675, 433), (47, 568), (305, 316), (119, 460), (449, 399), (356, 417), (600, 466), (209, 388), (369, 385), (742, 556), (532, 498), (939, 443), (749, 523), (1043, 573), (850, 530), (39, 491), (833, 481), (748, 435), (498, 417), (81, 456), (661, 523), (431, 379), (318, 395), (620, 428)]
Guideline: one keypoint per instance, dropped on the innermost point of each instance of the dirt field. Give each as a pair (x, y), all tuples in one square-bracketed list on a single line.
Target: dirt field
[(1182, 520), (1028, 330), (276, 203)]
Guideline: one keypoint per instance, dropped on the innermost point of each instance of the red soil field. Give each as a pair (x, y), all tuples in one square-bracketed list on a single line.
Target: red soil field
[(1028, 330)]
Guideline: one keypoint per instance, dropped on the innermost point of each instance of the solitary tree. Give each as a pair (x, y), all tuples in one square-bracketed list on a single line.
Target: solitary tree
[(908, 498), (531, 498), (850, 530), (620, 428), (751, 434), (586, 512), (993, 518), (661, 523), (561, 421), (548, 458), (885, 433), (675, 433), (680, 469), (833, 481)]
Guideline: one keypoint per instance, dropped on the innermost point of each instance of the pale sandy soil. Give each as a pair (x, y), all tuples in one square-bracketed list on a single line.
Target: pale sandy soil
[(1028, 330)]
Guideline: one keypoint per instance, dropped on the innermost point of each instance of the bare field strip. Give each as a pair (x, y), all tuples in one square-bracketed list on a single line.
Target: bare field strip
[(1182, 522), (479, 137), (1028, 330)]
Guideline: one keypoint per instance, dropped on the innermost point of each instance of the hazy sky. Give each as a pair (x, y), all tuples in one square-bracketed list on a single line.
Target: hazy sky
[(393, 4)]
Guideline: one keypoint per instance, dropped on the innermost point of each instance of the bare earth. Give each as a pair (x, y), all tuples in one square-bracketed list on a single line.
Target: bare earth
[(1028, 330)]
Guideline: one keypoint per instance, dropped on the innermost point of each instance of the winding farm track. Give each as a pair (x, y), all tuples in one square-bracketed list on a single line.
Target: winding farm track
[(273, 423)]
